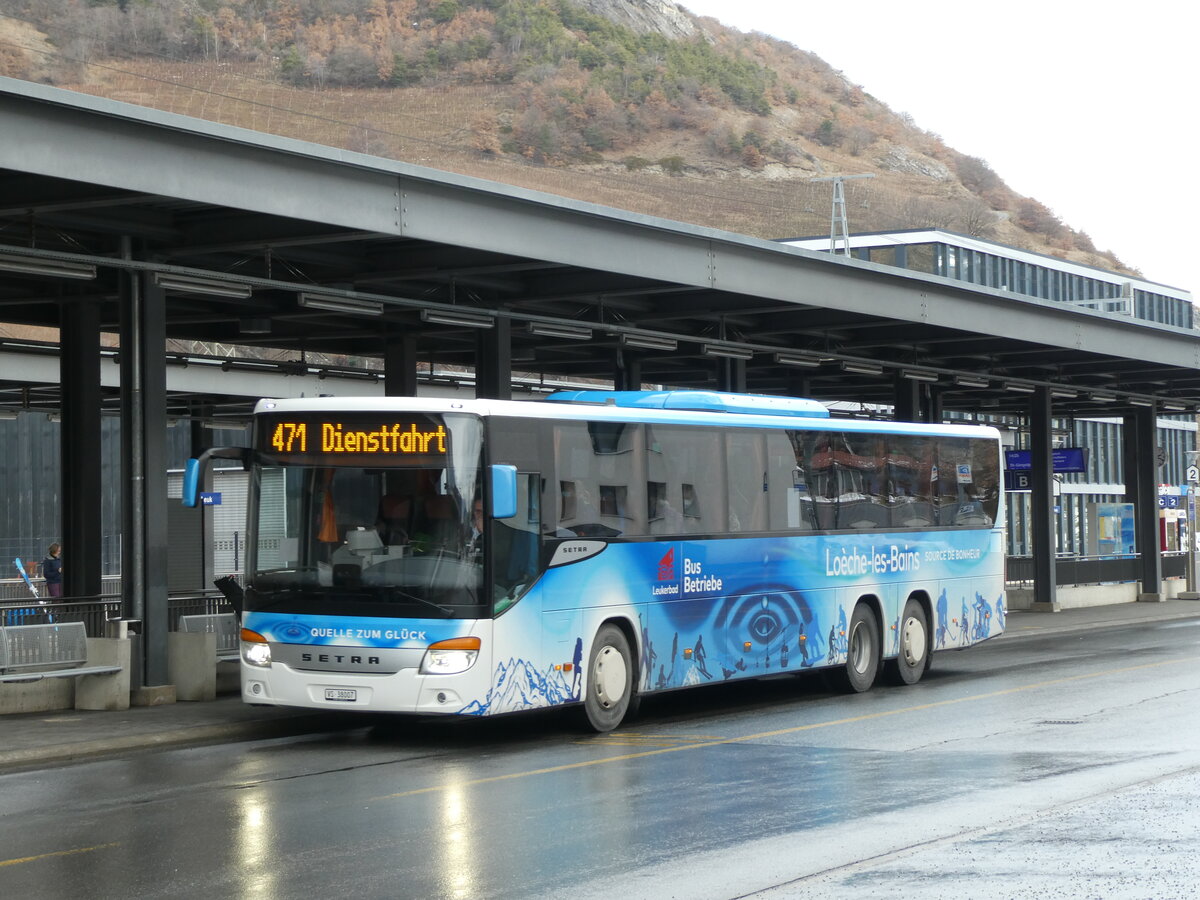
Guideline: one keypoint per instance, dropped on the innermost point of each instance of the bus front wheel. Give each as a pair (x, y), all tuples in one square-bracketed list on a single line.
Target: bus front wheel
[(862, 658), (913, 659), (608, 688)]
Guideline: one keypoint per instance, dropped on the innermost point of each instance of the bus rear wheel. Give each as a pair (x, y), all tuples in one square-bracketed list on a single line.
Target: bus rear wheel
[(608, 687), (862, 658), (913, 659)]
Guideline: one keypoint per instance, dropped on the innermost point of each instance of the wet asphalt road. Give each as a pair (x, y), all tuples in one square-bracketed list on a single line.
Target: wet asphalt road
[(1064, 765)]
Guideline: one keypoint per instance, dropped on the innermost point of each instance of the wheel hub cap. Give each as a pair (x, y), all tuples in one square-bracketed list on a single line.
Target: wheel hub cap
[(610, 677)]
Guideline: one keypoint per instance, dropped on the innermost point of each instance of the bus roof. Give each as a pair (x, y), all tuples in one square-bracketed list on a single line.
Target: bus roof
[(697, 401), (598, 409)]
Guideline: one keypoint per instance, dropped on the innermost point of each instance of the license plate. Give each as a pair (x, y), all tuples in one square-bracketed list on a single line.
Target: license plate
[(342, 694)]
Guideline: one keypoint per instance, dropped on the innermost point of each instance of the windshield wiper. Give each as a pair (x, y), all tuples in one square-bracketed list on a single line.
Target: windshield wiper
[(267, 599), (445, 610), (275, 597)]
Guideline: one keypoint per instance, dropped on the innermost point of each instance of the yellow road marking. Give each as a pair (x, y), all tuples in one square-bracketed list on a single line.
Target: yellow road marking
[(795, 729), (41, 856)]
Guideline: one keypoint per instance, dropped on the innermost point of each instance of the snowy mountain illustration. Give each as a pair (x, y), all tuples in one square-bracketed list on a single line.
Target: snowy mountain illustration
[(518, 685)]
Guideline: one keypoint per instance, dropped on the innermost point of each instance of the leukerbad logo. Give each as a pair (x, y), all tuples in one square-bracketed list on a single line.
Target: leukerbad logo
[(666, 566)]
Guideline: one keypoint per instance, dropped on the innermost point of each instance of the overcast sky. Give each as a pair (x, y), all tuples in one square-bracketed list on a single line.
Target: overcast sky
[(1089, 107)]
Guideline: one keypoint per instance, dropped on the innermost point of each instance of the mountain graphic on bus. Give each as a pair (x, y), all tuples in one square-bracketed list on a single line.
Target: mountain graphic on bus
[(519, 685)]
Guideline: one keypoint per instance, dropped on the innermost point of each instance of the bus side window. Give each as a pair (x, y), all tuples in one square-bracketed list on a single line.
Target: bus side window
[(518, 539), (864, 465), (692, 462), (908, 467), (823, 472), (790, 505), (746, 468), (663, 515)]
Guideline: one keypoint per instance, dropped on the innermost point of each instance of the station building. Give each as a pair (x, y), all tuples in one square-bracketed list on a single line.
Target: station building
[(1081, 495)]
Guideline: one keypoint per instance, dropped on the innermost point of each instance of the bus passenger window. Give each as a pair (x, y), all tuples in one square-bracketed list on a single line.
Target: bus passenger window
[(909, 501), (863, 465), (663, 515), (612, 500), (746, 469)]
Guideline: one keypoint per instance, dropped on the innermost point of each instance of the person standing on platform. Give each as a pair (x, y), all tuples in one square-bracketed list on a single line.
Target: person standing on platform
[(52, 571)]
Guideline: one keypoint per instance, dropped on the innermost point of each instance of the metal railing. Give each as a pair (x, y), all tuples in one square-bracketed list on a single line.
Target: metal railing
[(96, 612), (1081, 570)]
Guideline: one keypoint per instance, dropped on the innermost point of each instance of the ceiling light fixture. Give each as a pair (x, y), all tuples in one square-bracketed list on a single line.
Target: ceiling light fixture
[(50, 267), (968, 382), (350, 305), (805, 362), (559, 330), (462, 320), (725, 351), (862, 368), (648, 342), (187, 284), (1016, 387), (917, 375)]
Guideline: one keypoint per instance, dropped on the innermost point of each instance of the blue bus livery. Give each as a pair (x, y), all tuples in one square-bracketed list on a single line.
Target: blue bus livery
[(483, 557)]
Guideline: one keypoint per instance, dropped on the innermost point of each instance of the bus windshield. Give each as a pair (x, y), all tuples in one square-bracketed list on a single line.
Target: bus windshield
[(395, 536)]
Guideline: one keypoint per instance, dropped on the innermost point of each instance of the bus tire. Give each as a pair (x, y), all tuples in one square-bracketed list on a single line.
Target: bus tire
[(912, 660), (862, 657), (608, 685)]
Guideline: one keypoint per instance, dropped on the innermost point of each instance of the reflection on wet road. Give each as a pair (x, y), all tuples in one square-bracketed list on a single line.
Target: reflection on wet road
[(773, 786)]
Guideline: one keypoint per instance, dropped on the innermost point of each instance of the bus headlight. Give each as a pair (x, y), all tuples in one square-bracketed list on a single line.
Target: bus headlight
[(450, 657), (255, 649)]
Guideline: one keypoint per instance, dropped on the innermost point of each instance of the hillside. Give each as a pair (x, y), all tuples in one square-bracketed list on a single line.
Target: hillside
[(634, 104)]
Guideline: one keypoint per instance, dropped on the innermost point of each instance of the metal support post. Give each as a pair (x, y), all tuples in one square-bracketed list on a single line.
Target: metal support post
[(1045, 576), (1193, 476)]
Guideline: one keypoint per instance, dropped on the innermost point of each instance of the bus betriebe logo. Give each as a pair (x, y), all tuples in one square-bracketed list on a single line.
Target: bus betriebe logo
[(666, 566)]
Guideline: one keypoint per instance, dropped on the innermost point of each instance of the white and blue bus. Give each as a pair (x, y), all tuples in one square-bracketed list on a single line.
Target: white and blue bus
[(479, 557)]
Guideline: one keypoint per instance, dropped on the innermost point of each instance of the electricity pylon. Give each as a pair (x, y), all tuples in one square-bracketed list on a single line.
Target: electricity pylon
[(839, 226)]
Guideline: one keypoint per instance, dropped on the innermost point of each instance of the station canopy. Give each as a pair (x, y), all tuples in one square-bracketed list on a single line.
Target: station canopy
[(301, 252)]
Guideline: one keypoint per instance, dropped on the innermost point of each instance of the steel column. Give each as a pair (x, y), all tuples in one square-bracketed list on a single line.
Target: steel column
[(1045, 580), (1141, 488), (627, 374), (79, 373), (400, 366), (731, 375), (493, 362), (907, 405), (143, 466)]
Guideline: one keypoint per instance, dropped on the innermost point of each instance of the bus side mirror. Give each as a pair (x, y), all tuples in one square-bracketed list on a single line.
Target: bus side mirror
[(191, 482), (193, 470), (504, 492)]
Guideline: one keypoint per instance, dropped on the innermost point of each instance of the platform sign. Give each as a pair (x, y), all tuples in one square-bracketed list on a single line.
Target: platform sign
[(210, 498), (1018, 481), (1066, 459), (1193, 474)]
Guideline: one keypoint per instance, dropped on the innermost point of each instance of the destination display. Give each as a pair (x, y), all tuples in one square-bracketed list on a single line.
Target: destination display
[(1066, 459), (403, 439)]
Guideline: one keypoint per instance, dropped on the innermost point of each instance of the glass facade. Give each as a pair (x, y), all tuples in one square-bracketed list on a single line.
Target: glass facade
[(1104, 481), (996, 270)]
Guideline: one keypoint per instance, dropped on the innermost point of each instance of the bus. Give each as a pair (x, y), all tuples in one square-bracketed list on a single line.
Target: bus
[(478, 557)]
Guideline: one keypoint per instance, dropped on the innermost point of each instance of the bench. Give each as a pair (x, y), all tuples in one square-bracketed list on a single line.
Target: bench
[(35, 652), (223, 625)]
